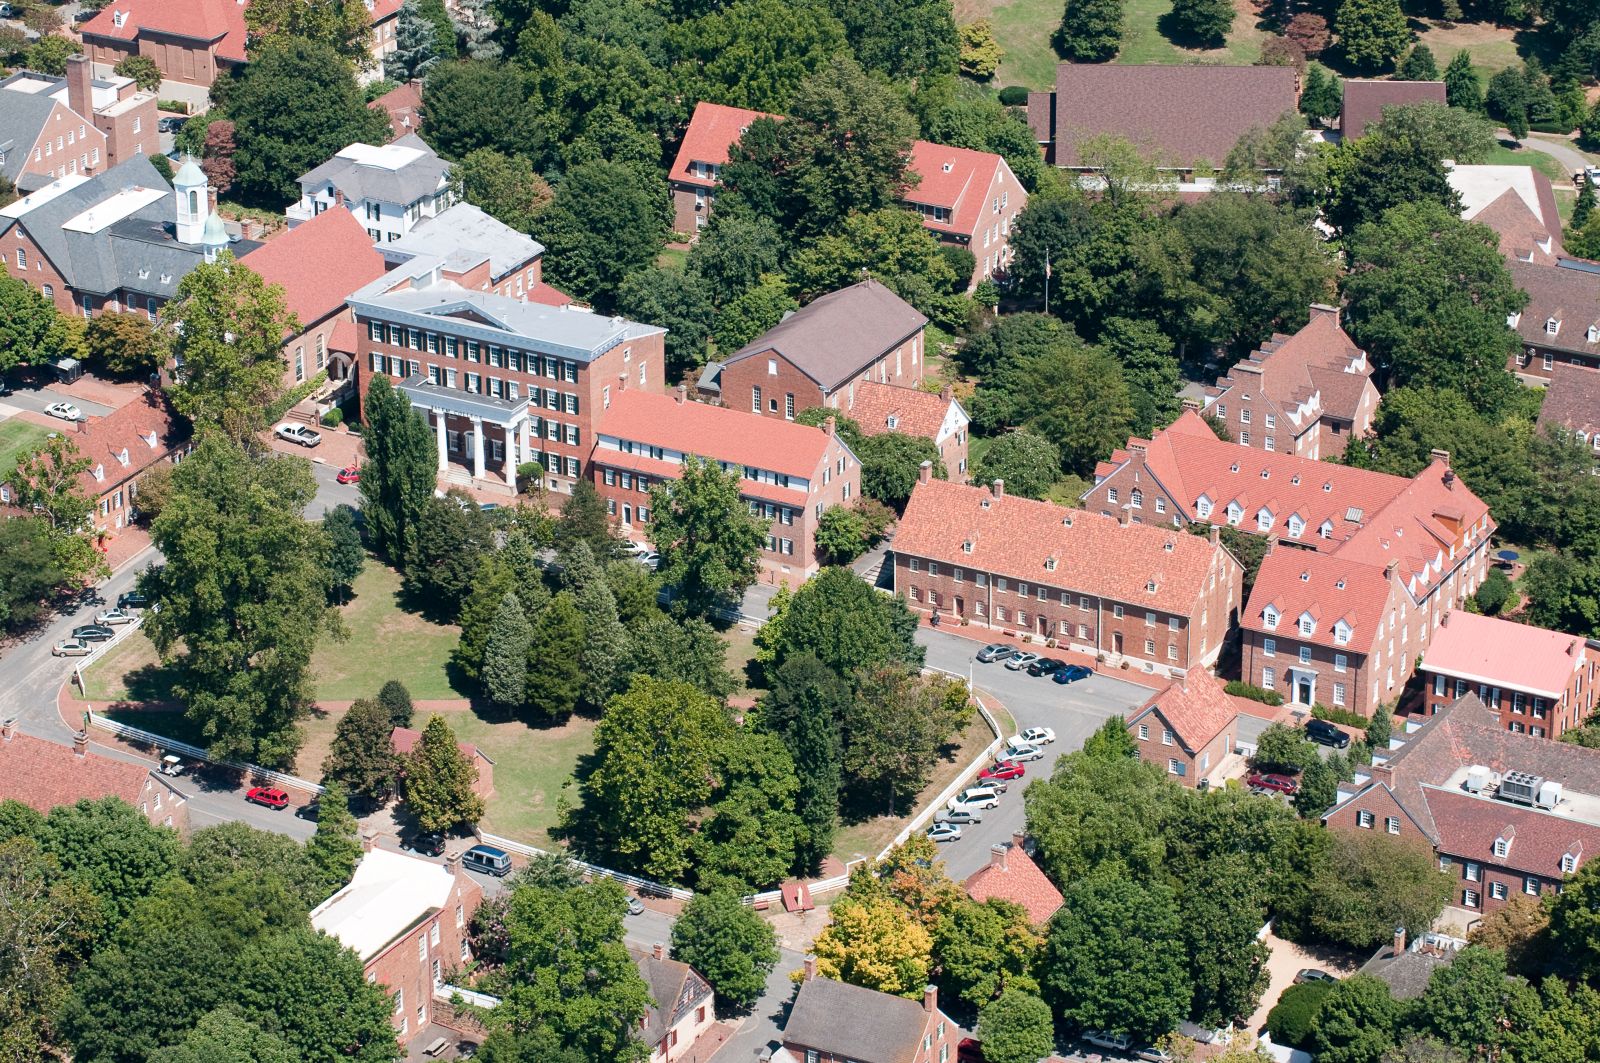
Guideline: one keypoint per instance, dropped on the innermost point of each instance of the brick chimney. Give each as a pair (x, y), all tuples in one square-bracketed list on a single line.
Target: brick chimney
[(8, 728), (1215, 535), (997, 856), (369, 839), (1444, 621), (1399, 941), (80, 743), (681, 393), (930, 999), (1016, 841), (80, 88), (947, 393), (1192, 404), (1122, 516), (924, 472), (809, 968), (452, 863), (830, 425), (1324, 310), (998, 489), (1439, 455), (659, 951), (1388, 570)]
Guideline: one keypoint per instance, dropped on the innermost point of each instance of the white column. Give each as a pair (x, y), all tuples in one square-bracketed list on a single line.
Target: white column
[(527, 441), (511, 455), (477, 447), (444, 449)]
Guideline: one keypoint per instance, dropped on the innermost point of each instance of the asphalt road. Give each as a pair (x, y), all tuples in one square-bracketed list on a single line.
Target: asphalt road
[(36, 399), (330, 492)]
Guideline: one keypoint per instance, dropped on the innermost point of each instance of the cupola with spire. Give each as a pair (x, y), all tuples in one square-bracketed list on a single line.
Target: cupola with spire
[(194, 203), (215, 237)]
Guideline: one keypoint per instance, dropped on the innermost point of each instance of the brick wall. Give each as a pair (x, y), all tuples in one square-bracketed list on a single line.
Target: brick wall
[(1522, 711), (778, 379), (1158, 746), (33, 267), (406, 968)]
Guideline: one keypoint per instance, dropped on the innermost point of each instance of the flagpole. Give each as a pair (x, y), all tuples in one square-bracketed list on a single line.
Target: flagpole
[(1047, 280)]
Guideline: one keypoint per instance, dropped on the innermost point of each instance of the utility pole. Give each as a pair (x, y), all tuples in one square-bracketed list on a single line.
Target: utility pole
[(1047, 280)]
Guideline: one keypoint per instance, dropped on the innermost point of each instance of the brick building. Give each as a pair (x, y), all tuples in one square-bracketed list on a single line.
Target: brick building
[(1517, 202), (790, 474), (1011, 875), (881, 408), (1365, 99), (403, 105), (193, 42), (1540, 682), (1561, 323), (44, 775), (834, 1022), (1155, 597), (1187, 729), (1572, 404), (504, 381), (682, 1008), (1305, 394), (318, 264), (73, 125), (408, 920), (501, 259), (696, 170), (124, 445), (1506, 814)]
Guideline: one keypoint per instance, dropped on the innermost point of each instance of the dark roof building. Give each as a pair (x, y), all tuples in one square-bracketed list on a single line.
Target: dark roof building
[(1365, 99), (835, 336), (1572, 401), (1561, 322), (681, 1006), (839, 1022)]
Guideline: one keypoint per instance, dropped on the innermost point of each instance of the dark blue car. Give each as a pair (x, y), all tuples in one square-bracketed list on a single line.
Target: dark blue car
[(1072, 673)]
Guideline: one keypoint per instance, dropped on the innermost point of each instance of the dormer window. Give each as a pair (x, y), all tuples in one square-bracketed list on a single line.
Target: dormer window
[(122, 457), (1594, 333), (1264, 519), (1305, 577), (1295, 479), (984, 504), (1050, 564), (1150, 587), (119, 19), (1552, 326), (1296, 527), (1235, 513), (1569, 863), (1269, 619), (947, 167), (966, 547), (894, 422), (1167, 546), (1308, 626), (1502, 846), (1341, 633), (99, 473), (1326, 531), (1202, 507), (1266, 474), (1328, 486)]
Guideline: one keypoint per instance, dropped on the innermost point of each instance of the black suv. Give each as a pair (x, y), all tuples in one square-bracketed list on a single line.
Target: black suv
[(1325, 733), (132, 600)]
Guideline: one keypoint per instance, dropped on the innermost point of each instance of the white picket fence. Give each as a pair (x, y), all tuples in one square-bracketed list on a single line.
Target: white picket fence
[(256, 772), (643, 885)]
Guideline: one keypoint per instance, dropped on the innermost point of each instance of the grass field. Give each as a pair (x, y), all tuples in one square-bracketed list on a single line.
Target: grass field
[(1504, 156), (1493, 48), (17, 438)]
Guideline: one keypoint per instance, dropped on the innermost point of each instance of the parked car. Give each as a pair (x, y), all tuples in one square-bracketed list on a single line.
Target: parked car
[(298, 433), (64, 410), (267, 796), (487, 859), (944, 832), (170, 124), (1038, 736), (426, 844), (132, 600), (1325, 733), (1018, 750), (995, 651), (71, 648), (1002, 771), (1072, 673), (84, 16), (1021, 661), (5, 389), (970, 1050), (92, 632), (960, 815), (1152, 1054), (1314, 974), (7, 11), (649, 559), (975, 797), (113, 616), (1117, 1042), (1272, 780), (1046, 666), (349, 475)]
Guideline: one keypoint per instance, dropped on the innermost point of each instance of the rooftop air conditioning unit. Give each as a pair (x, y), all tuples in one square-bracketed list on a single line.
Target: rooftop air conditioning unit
[(1549, 795), (1521, 787), (1478, 778)]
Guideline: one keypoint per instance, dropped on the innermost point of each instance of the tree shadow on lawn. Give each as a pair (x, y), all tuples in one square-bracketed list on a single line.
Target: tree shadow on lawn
[(858, 803), (1167, 25)]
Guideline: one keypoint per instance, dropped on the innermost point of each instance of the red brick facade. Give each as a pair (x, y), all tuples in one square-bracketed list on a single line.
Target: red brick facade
[(769, 384), (67, 144), (22, 259), (1541, 683)]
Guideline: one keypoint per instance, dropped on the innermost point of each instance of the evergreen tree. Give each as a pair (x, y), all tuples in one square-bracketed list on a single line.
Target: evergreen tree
[(396, 701), (1583, 208), (583, 517), (490, 586), (439, 780), (346, 556), (362, 755), (1373, 33), (1321, 97), (1420, 65), (334, 850), (476, 28), (1090, 30), (605, 648), (401, 470), (806, 708), (505, 657), (417, 46), (1206, 22), (555, 681), (1462, 86)]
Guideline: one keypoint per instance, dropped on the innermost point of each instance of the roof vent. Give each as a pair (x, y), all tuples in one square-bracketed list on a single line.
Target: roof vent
[(1353, 514), (1520, 787), (1328, 485), (1234, 467), (1167, 546), (1305, 577), (1477, 779)]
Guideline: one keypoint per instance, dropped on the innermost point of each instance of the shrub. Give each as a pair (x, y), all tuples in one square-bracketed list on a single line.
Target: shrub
[(173, 106), (1492, 593), (1335, 715), (333, 418), (1240, 689), (1014, 96), (1289, 1021)]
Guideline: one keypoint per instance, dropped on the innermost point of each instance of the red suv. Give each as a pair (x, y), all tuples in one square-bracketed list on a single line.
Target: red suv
[(1001, 771), (1273, 781), (270, 796)]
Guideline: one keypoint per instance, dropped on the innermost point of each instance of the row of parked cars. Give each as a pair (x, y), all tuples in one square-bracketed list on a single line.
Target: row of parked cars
[(1011, 764), (1035, 664), (84, 636)]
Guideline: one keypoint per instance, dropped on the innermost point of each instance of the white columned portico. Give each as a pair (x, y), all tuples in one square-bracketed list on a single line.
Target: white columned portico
[(511, 455), (477, 448), (527, 440), (439, 433)]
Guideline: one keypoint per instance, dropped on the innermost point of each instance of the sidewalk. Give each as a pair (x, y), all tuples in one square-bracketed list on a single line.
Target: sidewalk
[(984, 636), (337, 450)]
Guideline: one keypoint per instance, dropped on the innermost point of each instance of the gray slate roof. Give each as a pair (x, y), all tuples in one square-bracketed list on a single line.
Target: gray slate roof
[(1408, 974), (850, 1022), (416, 180), (837, 335), (138, 254), (21, 118), (463, 236)]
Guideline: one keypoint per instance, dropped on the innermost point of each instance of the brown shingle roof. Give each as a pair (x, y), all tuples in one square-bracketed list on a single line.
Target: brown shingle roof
[(675, 987), (1522, 234), (851, 1022), (1182, 114), (1364, 101), (1569, 296), (1321, 359), (1572, 400), (1195, 707), (837, 335), (1011, 875), (43, 775)]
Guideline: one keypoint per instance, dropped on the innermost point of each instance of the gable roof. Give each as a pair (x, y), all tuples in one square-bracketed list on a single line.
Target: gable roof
[(675, 988), (957, 179), (386, 896), (712, 132), (216, 22), (1488, 649), (1365, 99), (835, 336), (1196, 708), (144, 428), (318, 263), (405, 739), (43, 775), (1480, 186), (1522, 235), (715, 432), (403, 105), (1319, 367), (1331, 588), (22, 119), (402, 171), (912, 410), (1181, 113), (1572, 400), (1569, 296), (1011, 875), (1040, 542), (847, 1021)]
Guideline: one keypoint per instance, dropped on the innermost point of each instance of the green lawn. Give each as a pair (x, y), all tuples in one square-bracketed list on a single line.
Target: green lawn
[(386, 642), (130, 671), (1504, 156), (672, 258), (18, 438), (1492, 47)]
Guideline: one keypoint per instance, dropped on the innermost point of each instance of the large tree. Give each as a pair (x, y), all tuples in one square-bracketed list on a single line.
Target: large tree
[(806, 708), (1016, 1028), (608, 220), (417, 45), (329, 1012), (1027, 462), (894, 729), (606, 645), (710, 542), (346, 556), (400, 472), (362, 755), (225, 327), (891, 463), (505, 656), (756, 53), (1090, 30), (472, 105), (444, 549), (749, 839), (1224, 907), (986, 949), (122, 342), (904, 40), (49, 483), (1206, 22), (29, 570), (242, 592), (343, 25), (729, 944), (1093, 814), (293, 106), (555, 680), (847, 625), (46, 926), (1366, 885), (504, 187), (874, 942), (1372, 33), (31, 331), (439, 780), (1356, 1022), (680, 302)]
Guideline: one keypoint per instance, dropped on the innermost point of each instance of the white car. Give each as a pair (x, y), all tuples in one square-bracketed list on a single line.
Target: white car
[(113, 616), (1117, 1042), (298, 433), (975, 797), (1021, 661), (1035, 736), (64, 410), (1019, 750), (944, 832), (71, 648)]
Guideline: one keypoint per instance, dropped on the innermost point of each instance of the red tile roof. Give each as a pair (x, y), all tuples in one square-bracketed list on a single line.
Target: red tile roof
[(43, 775), (144, 430), (1487, 649), (218, 22), (403, 104), (1013, 876), (1039, 542), (1195, 707), (1364, 101), (713, 131), (1572, 400), (1332, 589), (957, 179), (318, 264), (405, 739), (914, 411), (1468, 826), (714, 432)]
